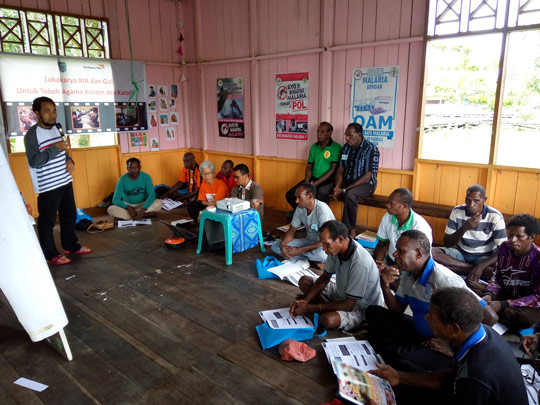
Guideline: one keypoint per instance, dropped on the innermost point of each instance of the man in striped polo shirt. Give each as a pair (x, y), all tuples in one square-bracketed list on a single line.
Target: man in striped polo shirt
[(50, 169), (472, 236)]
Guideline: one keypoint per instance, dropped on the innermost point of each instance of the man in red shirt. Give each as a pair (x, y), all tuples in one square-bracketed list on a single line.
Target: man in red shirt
[(226, 174)]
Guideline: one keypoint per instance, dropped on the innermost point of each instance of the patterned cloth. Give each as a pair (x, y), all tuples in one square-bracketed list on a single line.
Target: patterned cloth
[(245, 229), (358, 161)]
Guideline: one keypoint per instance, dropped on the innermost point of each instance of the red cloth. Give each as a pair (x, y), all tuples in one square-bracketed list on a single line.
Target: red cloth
[(230, 182), (292, 350)]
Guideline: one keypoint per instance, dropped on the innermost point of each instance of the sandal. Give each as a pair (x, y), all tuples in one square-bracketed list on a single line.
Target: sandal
[(59, 260), (81, 251)]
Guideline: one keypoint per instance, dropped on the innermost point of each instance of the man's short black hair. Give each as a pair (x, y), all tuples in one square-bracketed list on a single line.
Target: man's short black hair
[(532, 227), (133, 160), (419, 240), (36, 104), (405, 196), (477, 188), (309, 188), (335, 229), (460, 306), (229, 162), (356, 127), (242, 168), (330, 127)]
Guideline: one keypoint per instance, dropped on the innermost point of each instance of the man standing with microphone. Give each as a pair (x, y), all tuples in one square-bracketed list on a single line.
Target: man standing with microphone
[(50, 169)]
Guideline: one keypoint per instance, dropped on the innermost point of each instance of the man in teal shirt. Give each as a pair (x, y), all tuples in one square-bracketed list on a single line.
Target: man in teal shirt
[(322, 164), (134, 194)]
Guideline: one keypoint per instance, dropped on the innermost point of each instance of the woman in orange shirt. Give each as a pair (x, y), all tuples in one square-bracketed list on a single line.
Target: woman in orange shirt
[(211, 191)]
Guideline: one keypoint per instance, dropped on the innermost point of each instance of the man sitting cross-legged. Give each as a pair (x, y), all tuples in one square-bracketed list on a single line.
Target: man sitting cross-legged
[(311, 213), (406, 342), (473, 233), (341, 304), (134, 194)]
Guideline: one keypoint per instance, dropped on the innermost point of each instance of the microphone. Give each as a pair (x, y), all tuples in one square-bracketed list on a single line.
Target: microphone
[(59, 127)]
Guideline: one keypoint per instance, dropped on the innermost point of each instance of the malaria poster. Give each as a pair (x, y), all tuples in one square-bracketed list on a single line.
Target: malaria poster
[(374, 103), (292, 105), (230, 100)]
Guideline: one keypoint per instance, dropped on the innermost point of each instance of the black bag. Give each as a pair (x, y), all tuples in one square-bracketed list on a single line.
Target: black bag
[(83, 224)]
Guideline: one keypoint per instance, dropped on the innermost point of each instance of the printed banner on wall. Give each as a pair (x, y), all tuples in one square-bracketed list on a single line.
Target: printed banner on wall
[(374, 103), (230, 100), (292, 105), (92, 95)]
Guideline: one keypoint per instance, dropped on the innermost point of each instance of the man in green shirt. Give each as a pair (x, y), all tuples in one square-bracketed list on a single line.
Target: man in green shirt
[(322, 164), (134, 194)]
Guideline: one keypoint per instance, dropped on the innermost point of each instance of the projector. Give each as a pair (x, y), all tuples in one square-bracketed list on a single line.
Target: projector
[(233, 205)]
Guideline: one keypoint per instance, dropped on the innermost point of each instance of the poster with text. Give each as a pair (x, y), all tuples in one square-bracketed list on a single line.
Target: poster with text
[(292, 105), (374, 103), (230, 100), (87, 93)]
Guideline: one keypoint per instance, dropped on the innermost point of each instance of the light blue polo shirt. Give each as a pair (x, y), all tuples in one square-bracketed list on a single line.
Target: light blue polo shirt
[(417, 293)]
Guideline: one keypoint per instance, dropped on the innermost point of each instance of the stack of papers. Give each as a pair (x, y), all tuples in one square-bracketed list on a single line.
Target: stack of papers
[(281, 319), (123, 224), (356, 353), (167, 204), (293, 270)]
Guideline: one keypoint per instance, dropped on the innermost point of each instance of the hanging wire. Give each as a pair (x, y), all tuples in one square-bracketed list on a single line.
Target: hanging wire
[(135, 91)]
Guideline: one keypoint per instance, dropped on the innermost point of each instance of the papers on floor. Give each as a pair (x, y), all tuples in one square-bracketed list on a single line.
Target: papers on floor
[(181, 222), (367, 239), (293, 270), (167, 204), (123, 224), (499, 328), (281, 319), (357, 353), (352, 382), (285, 228), (33, 385), (532, 386)]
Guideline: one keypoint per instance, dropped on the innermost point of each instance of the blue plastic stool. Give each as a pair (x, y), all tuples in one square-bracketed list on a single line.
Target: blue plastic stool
[(225, 218)]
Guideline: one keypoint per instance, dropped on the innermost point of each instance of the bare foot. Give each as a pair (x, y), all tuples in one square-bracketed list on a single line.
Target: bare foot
[(439, 345)]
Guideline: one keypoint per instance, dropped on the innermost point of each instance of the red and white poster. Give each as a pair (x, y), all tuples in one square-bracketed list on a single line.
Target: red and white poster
[(292, 105)]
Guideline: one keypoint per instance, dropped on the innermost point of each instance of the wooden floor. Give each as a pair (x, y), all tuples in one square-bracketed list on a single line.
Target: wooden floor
[(156, 326)]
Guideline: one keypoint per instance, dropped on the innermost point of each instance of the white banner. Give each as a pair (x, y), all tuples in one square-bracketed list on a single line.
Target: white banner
[(374, 103)]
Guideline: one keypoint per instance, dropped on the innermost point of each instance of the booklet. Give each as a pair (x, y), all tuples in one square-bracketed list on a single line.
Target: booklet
[(357, 353), (167, 204), (123, 224), (293, 270), (281, 319), (352, 382)]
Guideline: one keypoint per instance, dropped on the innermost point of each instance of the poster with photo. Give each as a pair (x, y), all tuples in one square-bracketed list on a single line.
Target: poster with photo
[(27, 118), (163, 105), (85, 118), (171, 136), (172, 103), (152, 105), (163, 91), (138, 139), (230, 100), (153, 121), (292, 91), (173, 119), (174, 90), (151, 91), (374, 103), (130, 117), (154, 143), (163, 120)]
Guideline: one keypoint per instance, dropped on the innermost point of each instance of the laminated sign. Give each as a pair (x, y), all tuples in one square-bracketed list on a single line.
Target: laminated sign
[(292, 105)]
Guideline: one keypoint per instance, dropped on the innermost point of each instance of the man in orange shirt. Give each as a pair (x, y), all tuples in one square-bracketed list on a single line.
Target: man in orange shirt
[(190, 178), (211, 191), (226, 174)]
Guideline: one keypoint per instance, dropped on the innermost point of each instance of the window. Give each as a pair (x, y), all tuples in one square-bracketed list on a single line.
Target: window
[(40, 33), (482, 86)]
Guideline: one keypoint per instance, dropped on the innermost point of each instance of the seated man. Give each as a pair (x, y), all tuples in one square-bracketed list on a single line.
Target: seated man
[(313, 214), (134, 194), (190, 178), (487, 371), (473, 233), (406, 342), (247, 189), (226, 174), (321, 165), (340, 304), (399, 218), (514, 291), (212, 190), (356, 177)]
